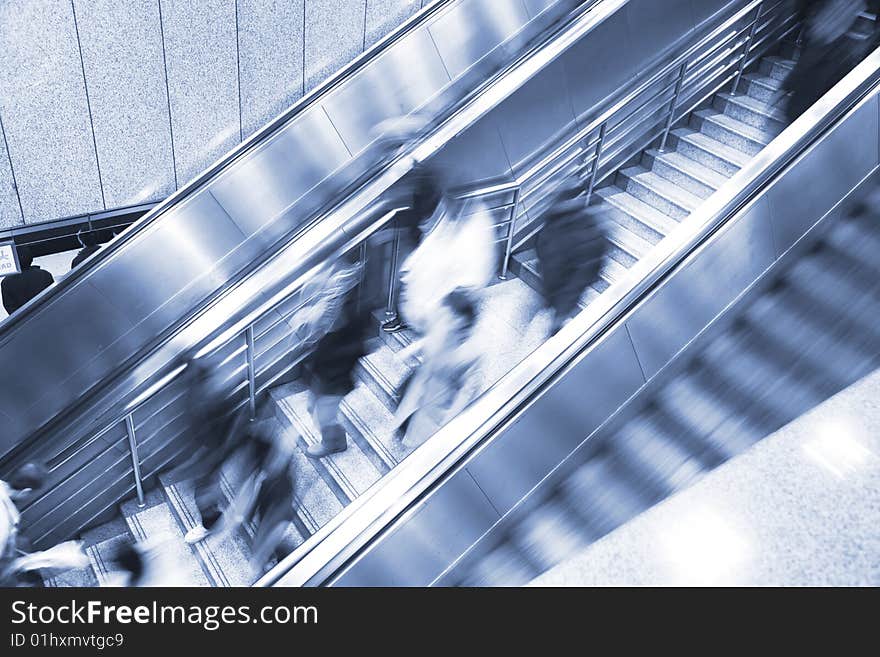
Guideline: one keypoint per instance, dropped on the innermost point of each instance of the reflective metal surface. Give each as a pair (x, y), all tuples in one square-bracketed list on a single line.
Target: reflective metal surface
[(408, 492)]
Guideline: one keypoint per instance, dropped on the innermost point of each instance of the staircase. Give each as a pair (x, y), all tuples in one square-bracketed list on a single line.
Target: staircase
[(647, 200), (809, 334)]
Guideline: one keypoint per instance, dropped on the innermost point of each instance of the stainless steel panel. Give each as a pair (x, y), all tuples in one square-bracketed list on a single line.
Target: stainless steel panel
[(822, 176), (710, 280), (535, 7), (476, 154), (558, 421), (468, 30), (444, 527), (539, 112), (393, 85), (654, 26), (255, 191), (169, 258), (703, 9)]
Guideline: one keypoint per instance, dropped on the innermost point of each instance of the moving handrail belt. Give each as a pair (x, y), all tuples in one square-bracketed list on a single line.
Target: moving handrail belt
[(401, 493)]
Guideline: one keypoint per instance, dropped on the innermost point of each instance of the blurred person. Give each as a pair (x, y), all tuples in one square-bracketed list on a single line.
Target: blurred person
[(571, 248), (420, 192), (148, 563), (18, 289), (830, 50), (458, 253), (90, 246), (446, 381), (328, 371), (274, 507), (212, 425)]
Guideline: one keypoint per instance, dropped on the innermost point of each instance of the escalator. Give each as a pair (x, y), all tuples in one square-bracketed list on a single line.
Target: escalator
[(703, 99)]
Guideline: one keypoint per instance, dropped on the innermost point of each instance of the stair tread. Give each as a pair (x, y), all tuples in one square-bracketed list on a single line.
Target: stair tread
[(351, 470), (627, 240), (744, 129), (663, 187), (638, 209), (763, 80), (714, 146), (225, 557), (102, 554), (158, 522), (373, 417), (754, 105), (700, 172)]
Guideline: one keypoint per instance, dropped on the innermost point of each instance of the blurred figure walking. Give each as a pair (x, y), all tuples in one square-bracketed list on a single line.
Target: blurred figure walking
[(831, 48), (447, 380), (571, 248)]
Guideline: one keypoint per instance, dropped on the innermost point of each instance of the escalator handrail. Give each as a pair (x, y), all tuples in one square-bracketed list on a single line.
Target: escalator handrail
[(320, 92), (405, 489)]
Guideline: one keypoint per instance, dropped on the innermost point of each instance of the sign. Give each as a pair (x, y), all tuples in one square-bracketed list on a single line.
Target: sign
[(8, 259)]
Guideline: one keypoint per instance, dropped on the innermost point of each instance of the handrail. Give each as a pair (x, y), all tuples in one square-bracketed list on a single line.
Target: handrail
[(375, 513)]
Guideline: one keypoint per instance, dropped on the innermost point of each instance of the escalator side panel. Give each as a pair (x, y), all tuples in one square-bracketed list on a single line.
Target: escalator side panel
[(463, 512), (258, 189), (838, 163), (709, 281), (557, 422)]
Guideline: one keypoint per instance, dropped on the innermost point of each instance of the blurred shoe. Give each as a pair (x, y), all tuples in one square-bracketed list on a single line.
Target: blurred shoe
[(196, 534), (321, 450), (393, 325)]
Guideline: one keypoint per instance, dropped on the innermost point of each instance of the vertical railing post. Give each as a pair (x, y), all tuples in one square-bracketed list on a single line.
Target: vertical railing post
[(682, 72), (600, 145), (508, 241), (747, 50), (135, 459), (251, 370), (390, 306)]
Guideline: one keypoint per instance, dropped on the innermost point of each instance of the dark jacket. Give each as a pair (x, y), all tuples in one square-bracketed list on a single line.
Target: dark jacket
[(331, 365), (18, 289), (84, 253), (570, 248)]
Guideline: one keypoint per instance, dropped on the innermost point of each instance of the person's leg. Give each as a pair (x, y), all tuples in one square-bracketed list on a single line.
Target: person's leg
[(333, 438), (207, 493), (405, 245)]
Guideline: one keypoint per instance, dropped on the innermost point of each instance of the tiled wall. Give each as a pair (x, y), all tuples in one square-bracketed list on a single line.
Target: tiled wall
[(110, 103)]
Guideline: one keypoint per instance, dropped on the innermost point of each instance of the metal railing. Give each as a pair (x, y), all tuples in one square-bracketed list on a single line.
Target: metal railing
[(648, 112)]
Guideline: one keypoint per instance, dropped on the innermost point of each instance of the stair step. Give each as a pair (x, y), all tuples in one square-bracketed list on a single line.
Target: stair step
[(680, 170), (394, 341), (348, 473), (627, 247), (709, 152), (775, 67), (636, 215), (369, 421), (751, 112), (382, 371), (658, 192), (71, 577), (602, 495), (317, 504), (102, 555), (158, 523), (549, 535), (728, 130), (761, 87), (225, 558), (527, 265), (661, 459)]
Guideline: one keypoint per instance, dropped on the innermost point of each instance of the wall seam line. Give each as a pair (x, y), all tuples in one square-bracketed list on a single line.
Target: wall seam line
[(480, 488), (168, 96), (304, 50), (635, 352), (338, 134), (12, 170), (364, 42), (88, 105), (238, 74)]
